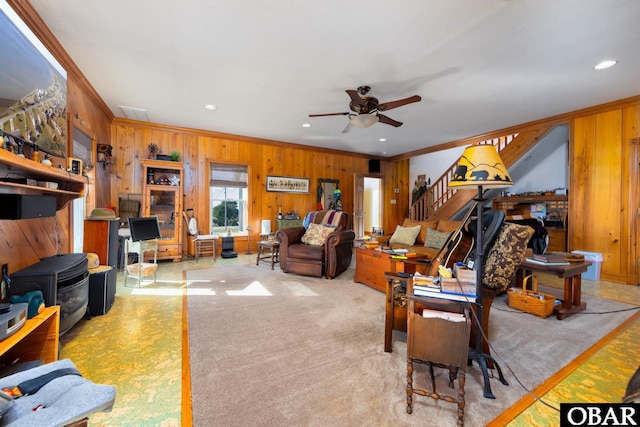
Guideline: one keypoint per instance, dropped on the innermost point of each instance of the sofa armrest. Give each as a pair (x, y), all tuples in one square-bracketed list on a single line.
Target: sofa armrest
[(340, 237), (338, 252), (288, 237)]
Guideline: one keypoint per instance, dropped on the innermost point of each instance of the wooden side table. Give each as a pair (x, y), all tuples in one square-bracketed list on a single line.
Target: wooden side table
[(572, 275), (268, 251), (437, 341)]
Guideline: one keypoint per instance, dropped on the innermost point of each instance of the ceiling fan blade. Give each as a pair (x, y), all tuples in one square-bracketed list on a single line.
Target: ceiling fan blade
[(386, 106), (388, 121), (355, 97), (328, 114), (347, 128)]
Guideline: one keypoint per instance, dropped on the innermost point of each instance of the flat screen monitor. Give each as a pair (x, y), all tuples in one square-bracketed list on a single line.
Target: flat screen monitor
[(145, 228)]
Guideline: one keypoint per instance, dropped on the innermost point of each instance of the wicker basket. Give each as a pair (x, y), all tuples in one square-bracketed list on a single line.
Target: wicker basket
[(148, 269), (532, 302)]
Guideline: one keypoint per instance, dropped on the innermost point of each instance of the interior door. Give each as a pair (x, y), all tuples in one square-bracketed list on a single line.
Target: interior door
[(358, 206)]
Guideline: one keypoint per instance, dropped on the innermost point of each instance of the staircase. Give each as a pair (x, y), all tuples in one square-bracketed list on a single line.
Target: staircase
[(442, 202)]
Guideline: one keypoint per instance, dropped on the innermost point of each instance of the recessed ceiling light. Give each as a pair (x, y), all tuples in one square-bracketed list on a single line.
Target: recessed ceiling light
[(210, 107), (384, 152), (606, 64), (306, 125), (383, 140)]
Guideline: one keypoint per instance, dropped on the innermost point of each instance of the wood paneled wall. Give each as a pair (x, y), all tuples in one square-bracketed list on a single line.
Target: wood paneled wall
[(604, 188), (199, 148)]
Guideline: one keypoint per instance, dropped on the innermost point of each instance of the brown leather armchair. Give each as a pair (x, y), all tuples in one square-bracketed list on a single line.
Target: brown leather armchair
[(328, 260)]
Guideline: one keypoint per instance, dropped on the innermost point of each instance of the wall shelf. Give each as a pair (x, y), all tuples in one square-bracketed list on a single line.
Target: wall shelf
[(557, 208), (70, 186)]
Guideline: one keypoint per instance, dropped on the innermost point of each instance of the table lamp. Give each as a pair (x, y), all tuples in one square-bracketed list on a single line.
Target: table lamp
[(480, 166)]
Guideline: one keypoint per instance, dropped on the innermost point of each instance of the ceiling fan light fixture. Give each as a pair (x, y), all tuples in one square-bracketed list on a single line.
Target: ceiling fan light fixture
[(363, 120)]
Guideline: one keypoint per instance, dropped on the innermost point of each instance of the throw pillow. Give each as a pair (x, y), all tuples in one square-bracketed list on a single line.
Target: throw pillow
[(436, 239), (316, 234), (405, 235), (505, 255)]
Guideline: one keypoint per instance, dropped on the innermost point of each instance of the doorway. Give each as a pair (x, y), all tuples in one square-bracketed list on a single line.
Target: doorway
[(368, 208)]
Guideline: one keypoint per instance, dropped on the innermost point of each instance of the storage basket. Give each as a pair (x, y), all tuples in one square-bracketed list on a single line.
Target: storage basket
[(148, 269), (533, 302)]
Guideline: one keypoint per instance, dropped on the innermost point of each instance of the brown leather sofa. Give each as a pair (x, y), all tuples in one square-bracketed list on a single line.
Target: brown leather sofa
[(328, 260)]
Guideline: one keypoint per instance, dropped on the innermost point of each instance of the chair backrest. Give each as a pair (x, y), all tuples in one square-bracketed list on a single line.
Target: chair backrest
[(340, 219), (505, 255), (128, 209)]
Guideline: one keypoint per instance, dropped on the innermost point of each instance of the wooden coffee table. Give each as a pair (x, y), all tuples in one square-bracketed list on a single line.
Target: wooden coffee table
[(372, 264)]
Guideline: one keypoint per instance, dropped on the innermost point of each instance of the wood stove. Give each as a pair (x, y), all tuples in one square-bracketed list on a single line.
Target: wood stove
[(63, 280)]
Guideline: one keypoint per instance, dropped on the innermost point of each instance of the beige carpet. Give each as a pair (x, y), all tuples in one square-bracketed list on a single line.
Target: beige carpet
[(268, 348)]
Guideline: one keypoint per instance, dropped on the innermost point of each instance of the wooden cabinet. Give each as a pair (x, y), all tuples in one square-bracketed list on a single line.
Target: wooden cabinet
[(24, 176), (288, 223), (372, 264), (162, 197), (101, 237), (556, 209)]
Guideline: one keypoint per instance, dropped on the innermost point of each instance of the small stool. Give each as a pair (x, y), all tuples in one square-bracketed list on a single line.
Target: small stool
[(273, 256), (205, 243)]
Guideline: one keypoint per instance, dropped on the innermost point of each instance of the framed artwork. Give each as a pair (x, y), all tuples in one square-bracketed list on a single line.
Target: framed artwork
[(286, 184)]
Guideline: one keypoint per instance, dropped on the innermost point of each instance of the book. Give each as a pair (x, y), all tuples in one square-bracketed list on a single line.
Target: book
[(433, 287), (451, 289), (444, 295), (437, 314), (457, 287), (551, 257), (539, 262), (426, 283)]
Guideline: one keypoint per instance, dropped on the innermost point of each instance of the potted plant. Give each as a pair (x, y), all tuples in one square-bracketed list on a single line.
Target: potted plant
[(153, 150), (175, 156)]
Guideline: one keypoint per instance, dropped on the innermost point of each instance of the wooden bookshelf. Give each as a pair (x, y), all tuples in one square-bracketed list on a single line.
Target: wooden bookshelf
[(37, 339)]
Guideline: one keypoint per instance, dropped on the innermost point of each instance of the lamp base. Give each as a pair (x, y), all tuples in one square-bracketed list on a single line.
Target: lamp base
[(482, 359)]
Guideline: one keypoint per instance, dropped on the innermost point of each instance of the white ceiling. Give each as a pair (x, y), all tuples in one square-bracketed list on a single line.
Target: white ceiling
[(479, 65)]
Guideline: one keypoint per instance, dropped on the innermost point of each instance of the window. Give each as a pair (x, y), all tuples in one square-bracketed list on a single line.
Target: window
[(229, 194)]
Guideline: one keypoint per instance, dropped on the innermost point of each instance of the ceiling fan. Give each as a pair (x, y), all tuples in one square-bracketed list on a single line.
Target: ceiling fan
[(366, 109)]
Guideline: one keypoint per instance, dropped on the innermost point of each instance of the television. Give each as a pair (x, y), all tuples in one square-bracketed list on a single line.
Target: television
[(144, 228)]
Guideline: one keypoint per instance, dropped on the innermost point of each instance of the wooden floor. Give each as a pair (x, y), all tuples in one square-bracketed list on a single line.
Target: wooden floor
[(140, 347)]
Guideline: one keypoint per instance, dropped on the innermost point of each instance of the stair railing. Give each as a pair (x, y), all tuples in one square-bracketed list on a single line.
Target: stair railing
[(439, 193)]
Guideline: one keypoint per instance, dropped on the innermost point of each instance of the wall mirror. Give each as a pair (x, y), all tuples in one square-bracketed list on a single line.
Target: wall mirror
[(325, 192)]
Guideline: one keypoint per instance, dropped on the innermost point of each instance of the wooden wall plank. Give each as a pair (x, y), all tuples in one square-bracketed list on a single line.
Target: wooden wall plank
[(199, 150)]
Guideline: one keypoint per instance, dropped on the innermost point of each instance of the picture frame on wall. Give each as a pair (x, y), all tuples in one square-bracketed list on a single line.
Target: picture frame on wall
[(287, 184)]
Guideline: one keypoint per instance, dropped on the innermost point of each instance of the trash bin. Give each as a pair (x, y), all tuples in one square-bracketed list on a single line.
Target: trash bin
[(593, 272)]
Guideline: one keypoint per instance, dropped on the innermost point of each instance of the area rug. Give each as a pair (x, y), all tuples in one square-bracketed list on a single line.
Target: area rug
[(268, 348)]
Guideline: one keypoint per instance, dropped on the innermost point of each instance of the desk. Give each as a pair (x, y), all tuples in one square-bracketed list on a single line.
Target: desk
[(273, 256), (572, 284), (37, 339)]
